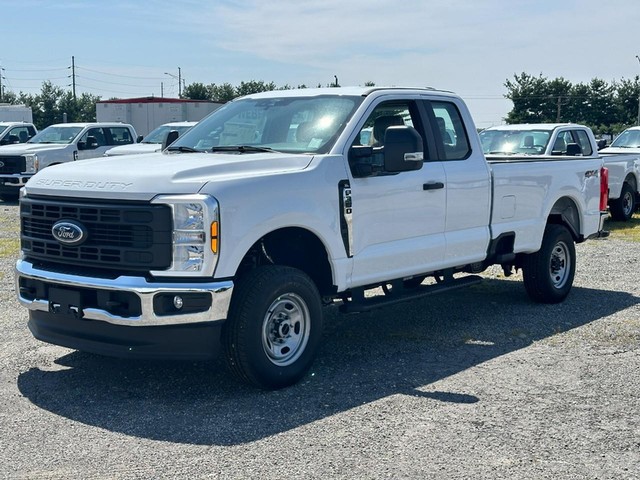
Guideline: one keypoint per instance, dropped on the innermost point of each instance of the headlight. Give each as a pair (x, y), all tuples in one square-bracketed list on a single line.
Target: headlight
[(194, 236), (31, 163)]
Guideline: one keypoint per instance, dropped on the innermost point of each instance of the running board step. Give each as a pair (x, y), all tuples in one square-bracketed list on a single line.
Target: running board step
[(370, 303)]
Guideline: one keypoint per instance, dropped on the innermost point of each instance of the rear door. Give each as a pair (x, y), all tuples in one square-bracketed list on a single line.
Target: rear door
[(467, 179)]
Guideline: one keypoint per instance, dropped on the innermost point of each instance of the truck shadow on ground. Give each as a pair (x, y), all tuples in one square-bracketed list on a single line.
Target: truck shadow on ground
[(366, 357)]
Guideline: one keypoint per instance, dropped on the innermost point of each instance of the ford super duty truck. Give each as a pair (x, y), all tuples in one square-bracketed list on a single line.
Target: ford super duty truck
[(64, 142), (277, 205), (566, 140)]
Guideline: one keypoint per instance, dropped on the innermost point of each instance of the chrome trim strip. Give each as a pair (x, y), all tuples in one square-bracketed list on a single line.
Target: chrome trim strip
[(220, 292)]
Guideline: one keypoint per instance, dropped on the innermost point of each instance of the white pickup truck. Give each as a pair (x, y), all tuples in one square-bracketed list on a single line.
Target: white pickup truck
[(565, 140), (64, 142), (152, 142), (272, 207), (16, 132)]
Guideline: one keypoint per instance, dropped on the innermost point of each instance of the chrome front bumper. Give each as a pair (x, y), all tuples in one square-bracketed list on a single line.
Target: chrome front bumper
[(146, 291)]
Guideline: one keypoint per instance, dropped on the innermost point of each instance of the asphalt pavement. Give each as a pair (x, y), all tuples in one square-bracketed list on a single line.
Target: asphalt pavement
[(476, 383)]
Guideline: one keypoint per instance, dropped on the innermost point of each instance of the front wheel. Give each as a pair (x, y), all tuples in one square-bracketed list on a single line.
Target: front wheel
[(549, 272), (274, 327), (622, 208)]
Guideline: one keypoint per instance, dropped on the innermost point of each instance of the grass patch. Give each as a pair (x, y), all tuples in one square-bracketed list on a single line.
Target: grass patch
[(626, 230), (9, 247)]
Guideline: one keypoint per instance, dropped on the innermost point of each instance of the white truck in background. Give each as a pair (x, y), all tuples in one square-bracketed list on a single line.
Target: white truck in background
[(564, 140), (272, 207), (56, 144), (16, 132), (152, 142)]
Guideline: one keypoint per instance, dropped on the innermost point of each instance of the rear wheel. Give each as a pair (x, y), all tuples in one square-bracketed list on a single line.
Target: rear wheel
[(274, 327), (622, 208), (548, 273)]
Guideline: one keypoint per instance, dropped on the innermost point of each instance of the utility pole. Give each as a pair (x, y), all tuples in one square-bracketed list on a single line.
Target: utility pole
[(559, 107), (1, 77), (638, 58), (179, 78), (73, 75)]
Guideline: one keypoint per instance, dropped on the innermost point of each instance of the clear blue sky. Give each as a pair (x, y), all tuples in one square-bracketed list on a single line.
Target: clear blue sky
[(123, 49)]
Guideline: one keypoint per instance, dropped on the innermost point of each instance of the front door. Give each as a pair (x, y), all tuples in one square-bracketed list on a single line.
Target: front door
[(398, 219)]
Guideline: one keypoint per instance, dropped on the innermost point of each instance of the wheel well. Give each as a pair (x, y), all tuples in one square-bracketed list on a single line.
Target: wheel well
[(632, 181), (565, 212), (294, 247)]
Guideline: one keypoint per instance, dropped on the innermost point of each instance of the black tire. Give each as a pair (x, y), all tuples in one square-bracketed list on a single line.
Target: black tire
[(622, 208), (274, 327), (548, 273)]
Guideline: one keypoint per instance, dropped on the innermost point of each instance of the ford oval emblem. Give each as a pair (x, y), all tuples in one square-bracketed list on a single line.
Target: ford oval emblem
[(69, 232)]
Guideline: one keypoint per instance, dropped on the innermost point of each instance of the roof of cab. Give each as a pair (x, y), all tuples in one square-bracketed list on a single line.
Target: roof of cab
[(347, 91)]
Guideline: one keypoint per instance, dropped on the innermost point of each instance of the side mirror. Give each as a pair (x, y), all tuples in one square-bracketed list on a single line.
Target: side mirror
[(139, 138), (403, 149), (14, 139), (602, 143), (171, 137), (92, 142)]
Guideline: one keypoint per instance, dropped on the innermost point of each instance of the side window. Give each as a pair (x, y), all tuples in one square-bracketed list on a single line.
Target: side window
[(450, 131), (583, 140), (21, 133), (96, 133), (120, 136), (560, 145), (385, 115)]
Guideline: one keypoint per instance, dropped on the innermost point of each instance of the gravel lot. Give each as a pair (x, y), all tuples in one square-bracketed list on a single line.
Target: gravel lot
[(479, 383)]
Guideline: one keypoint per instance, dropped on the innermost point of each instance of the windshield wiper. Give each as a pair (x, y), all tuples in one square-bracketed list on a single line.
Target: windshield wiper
[(242, 149), (181, 148)]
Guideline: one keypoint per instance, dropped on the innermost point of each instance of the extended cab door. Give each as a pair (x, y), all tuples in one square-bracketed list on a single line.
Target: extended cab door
[(467, 178), (397, 218)]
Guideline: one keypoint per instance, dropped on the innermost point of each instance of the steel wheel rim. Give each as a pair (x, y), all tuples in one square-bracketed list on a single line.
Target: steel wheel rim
[(559, 265), (627, 203), (285, 329)]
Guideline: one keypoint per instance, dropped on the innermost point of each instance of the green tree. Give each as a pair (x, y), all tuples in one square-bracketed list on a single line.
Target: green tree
[(254, 86), (222, 93), (529, 97), (196, 91), (627, 101)]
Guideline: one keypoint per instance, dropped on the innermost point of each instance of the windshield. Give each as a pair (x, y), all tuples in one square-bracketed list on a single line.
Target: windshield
[(627, 139), (510, 142), (157, 135), (284, 124), (56, 134), (3, 128)]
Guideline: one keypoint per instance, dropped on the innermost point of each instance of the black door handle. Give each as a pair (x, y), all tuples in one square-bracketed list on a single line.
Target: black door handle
[(433, 186)]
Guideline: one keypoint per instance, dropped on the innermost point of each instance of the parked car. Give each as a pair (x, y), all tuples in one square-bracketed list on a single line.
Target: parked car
[(56, 144), (152, 142), (16, 132)]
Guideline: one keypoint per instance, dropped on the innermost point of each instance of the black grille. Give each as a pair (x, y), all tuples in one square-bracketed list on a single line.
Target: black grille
[(124, 236), (12, 164)]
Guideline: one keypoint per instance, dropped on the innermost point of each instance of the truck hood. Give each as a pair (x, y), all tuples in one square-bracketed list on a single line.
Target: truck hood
[(21, 148), (620, 150), (134, 148), (141, 177)]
